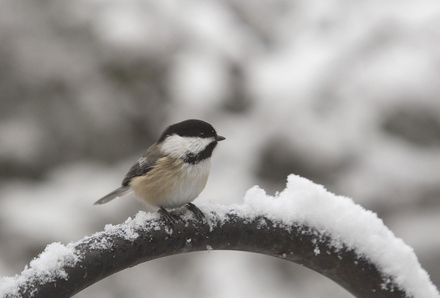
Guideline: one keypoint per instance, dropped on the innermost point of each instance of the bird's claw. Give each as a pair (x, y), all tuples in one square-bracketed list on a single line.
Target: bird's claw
[(197, 212), (169, 218)]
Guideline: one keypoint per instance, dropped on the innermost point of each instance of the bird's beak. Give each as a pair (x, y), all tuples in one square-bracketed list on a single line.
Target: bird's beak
[(220, 138)]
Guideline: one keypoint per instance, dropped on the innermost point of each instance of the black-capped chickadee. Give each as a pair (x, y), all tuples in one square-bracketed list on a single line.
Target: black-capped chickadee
[(174, 170)]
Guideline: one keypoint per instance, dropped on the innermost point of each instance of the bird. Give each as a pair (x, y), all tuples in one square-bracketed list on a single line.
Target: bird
[(173, 171)]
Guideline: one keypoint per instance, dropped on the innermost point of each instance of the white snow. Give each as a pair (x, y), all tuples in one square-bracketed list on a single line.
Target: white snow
[(126, 231), (348, 224), (48, 266)]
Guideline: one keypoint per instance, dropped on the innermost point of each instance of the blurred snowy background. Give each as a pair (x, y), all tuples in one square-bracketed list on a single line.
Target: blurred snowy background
[(345, 93)]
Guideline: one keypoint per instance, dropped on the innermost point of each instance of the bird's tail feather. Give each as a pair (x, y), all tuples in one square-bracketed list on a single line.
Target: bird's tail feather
[(119, 192)]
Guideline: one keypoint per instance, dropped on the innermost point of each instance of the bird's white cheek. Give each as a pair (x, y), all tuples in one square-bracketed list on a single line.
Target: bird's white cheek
[(197, 145), (178, 146), (174, 146)]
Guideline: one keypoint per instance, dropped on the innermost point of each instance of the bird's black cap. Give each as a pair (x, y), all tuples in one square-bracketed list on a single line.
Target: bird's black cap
[(191, 128)]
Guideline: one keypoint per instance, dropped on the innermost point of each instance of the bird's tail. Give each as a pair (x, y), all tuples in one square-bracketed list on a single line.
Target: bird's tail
[(119, 192)]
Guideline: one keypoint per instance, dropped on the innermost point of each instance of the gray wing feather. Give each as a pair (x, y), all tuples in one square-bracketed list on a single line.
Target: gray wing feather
[(144, 164), (140, 168)]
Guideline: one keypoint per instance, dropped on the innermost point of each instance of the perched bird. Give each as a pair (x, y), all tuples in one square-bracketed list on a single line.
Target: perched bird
[(174, 170)]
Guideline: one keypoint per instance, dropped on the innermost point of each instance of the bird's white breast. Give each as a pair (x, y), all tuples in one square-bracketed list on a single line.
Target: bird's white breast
[(192, 182)]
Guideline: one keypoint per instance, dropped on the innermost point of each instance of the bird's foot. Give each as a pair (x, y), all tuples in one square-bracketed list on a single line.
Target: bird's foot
[(169, 218), (197, 212)]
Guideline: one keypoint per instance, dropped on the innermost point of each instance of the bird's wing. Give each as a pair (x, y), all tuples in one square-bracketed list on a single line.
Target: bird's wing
[(144, 164)]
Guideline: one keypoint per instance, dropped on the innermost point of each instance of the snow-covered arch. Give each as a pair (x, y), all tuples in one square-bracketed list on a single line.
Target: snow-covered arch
[(304, 224)]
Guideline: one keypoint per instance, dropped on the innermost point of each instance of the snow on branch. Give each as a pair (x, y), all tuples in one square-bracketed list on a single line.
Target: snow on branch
[(304, 224)]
